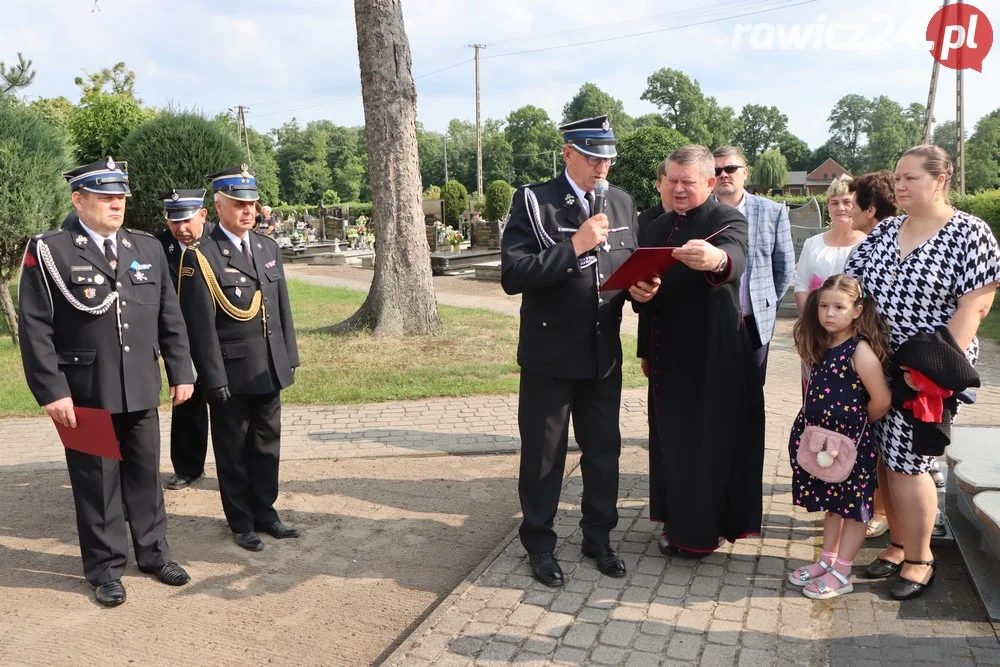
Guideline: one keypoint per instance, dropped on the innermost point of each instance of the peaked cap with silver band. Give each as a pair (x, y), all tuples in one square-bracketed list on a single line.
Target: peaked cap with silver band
[(236, 183), (104, 176), (180, 205), (591, 136)]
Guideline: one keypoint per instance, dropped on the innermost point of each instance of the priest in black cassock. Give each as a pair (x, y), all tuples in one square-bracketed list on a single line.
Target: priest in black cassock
[(706, 403)]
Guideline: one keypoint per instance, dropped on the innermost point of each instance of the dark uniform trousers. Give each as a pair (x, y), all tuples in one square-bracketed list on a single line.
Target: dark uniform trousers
[(544, 408), (84, 355), (246, 429), (246, 437), (101, 485), (569, 351), (189, 420), (189, 435)]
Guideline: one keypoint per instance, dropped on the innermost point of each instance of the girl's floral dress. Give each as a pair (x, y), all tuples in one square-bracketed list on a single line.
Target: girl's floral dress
[(836, 400)]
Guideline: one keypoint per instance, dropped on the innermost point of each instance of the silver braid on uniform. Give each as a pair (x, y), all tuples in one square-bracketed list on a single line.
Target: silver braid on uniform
[(46, 256), (535, 216)]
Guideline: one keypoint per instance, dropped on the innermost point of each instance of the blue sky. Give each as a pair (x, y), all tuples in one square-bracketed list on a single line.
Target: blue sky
[(299, 57)]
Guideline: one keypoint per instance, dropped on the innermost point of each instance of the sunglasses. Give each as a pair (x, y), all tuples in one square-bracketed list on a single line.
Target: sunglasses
[(729, 169)]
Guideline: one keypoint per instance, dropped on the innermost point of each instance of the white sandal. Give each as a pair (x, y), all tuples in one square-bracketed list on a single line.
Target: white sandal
[(801, 576), (824, 592)]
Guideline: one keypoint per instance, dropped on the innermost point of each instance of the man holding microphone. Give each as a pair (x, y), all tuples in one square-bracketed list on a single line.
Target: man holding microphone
[(562, 239)]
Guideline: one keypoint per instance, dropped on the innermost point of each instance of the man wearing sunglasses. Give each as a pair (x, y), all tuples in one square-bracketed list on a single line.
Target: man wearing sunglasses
[(556, 251), (770, 257)]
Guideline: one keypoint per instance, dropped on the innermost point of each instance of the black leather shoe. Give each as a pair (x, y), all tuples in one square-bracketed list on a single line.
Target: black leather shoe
[(545, 568), (110, 594), (249, 541), (278, 530), (906, 589), (607, 560), (665, 547), (180, 482), (171, 574), (881, 568)]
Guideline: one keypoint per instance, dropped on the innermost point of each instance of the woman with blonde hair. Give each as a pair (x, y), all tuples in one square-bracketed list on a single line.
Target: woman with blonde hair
[(932, 268)]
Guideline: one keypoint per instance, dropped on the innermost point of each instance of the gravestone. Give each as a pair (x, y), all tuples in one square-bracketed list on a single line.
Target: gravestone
[(486, 234), (806, 221), (432, 237)]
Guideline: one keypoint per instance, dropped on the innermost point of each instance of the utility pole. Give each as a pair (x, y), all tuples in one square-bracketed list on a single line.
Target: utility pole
[(479, 127), (241, 131), (444, 142), (960, 129), (932, 93)]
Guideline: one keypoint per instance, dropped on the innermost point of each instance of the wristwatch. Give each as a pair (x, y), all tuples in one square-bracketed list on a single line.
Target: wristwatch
[(722, 263)]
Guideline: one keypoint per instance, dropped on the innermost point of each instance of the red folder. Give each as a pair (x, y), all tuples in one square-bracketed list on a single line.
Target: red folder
[(645, 264), (94, 434)]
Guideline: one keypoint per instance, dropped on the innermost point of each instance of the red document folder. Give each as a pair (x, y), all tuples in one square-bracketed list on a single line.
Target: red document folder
[(94, 434), (645, 264)]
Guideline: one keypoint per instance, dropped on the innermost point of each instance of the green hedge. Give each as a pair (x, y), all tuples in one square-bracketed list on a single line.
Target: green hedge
[(984, 205)]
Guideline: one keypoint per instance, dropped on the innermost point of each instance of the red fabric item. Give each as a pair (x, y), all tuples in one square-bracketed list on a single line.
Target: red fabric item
[(29, 260), (928, 406)]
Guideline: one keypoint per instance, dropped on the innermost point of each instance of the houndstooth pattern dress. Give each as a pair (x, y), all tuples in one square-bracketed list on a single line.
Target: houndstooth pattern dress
[(919, 294)]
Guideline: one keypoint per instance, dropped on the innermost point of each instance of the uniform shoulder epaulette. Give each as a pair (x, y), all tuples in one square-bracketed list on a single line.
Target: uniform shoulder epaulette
[(623, 191), (51, 232), (140, 233)]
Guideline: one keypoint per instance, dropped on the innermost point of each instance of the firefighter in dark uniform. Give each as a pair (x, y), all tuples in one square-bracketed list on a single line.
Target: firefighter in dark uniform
[(235, 301), (555, 253), (185, 214), (97, 310)]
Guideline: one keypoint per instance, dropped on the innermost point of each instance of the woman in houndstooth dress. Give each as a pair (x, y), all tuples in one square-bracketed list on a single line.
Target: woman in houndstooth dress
[(933, 267)]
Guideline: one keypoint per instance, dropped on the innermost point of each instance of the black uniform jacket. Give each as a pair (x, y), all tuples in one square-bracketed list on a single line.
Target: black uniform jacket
[(173, 249), (568, 329), (69, 352), (246, 355)]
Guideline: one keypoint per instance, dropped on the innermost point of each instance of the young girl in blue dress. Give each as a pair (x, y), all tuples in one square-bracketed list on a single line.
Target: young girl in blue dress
[(846, 343)]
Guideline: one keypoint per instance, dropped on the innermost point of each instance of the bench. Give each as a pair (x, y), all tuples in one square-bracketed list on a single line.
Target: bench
[(972, 505)]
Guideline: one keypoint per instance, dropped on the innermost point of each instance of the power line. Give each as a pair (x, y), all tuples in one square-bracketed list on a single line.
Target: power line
[(632, 23), (657, 30)]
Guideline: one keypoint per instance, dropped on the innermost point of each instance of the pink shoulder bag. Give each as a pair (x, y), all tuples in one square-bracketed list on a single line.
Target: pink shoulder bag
[(827, 455)]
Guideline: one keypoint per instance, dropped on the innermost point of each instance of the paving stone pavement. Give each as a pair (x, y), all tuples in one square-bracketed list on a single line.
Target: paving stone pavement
[(733, 607)]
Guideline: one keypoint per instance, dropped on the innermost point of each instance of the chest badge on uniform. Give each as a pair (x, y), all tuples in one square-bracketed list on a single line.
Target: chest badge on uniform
[(569, 201), (225, 252), (171, 249), (259, 245), (89, 292), (139, 276), (238, 292), (270, 265), (80, 240), (127, 243), (98, 280), (136, 266), (243, 279)]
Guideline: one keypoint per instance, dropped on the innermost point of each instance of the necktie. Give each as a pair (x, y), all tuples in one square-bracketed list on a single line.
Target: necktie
[(590, 202), (109, 254), (246, 251)]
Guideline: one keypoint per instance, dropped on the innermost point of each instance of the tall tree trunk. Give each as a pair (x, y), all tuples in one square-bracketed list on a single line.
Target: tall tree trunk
[(401, 299), (9, 312)]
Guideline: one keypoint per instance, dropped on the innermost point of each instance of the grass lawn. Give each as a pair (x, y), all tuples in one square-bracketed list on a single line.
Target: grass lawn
[(474, 353), (990, 328)]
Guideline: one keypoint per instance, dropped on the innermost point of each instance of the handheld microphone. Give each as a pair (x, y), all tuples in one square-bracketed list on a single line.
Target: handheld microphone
[(600, 196)]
